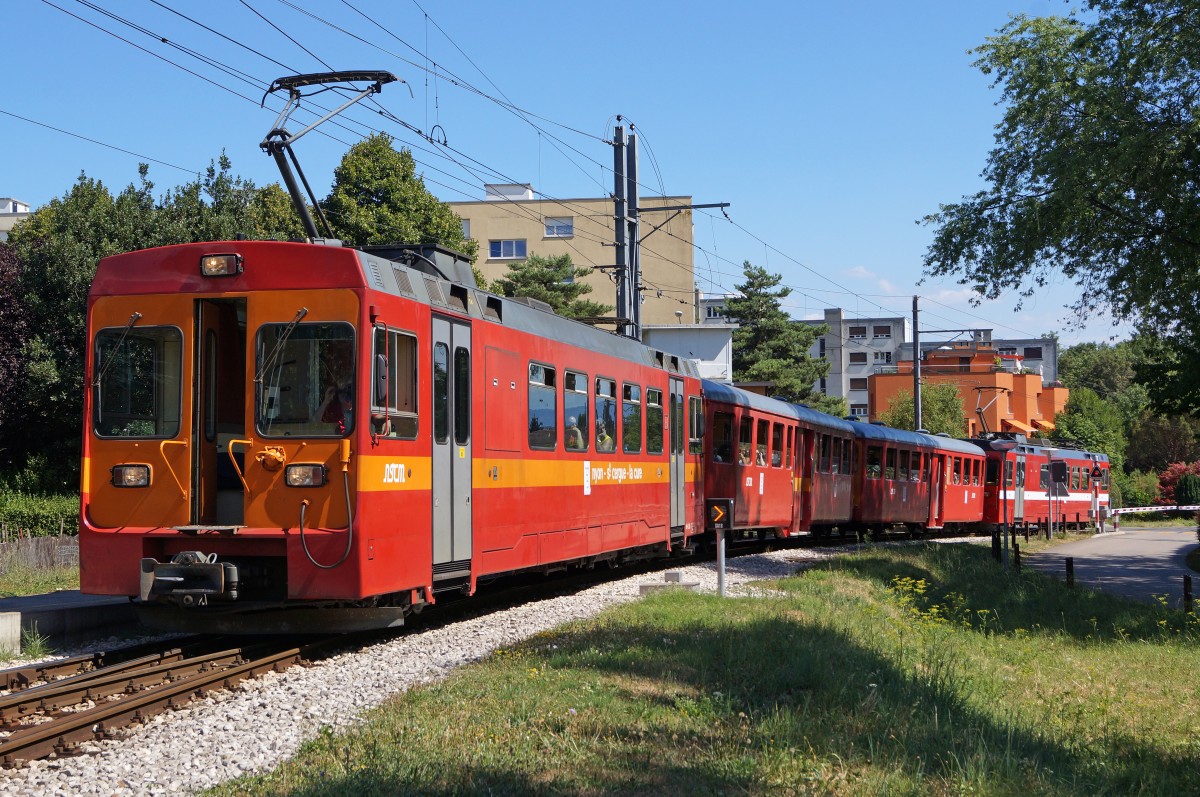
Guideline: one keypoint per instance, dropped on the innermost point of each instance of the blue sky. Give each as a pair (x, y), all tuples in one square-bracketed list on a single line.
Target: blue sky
[(830, 128)]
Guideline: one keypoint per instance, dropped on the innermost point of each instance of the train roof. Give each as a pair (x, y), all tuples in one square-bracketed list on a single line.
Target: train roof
[(873, 431), (1054, 452), (723, 391)]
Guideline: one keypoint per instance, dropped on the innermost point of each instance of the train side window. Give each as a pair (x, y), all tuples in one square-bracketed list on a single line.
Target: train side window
[(777, 445), (722, 450), (606, 415), (1085, 479), (543, 407), (678, 431), (744, 433), (902, 470), (1008, 472), (976, 467), (760, 443), (695, 425), (847, 456), (137, 388), (462, 395), (654, 421), (874, 462), (957, 470), (914, 470), (993, 472), (889, 468), (575, 411), (631, 418), (394, 385), (441, 392), (825, 443)]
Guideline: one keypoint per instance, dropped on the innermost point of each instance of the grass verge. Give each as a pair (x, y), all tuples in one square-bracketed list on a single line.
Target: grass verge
[(912, 671)]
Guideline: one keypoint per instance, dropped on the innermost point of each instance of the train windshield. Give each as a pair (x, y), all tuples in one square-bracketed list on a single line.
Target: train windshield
[(307, 385), (136, 393)]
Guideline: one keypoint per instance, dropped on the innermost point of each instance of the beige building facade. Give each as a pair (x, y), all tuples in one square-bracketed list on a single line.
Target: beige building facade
[(511, 224)]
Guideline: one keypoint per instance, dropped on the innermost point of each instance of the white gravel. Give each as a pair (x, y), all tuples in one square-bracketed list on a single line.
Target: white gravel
[(257, 725)]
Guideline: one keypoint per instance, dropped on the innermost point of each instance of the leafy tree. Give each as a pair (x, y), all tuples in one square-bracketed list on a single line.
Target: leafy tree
[(1108, 370), (553, 280), (1170, 478), (1093, 424), (1093, 174), (14, 332), (1138, 488), (770, 347), (1157, 440), (941, 410), (378, 198)]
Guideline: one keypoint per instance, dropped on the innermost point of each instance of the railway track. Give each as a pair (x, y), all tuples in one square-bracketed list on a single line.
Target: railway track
[(55, 707)]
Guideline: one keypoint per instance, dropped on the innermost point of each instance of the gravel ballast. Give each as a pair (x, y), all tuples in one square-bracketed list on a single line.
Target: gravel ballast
[(255, 726)]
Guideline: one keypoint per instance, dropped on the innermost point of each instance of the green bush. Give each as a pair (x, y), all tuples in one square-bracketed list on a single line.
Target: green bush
[(1139, 488), (39, 515)]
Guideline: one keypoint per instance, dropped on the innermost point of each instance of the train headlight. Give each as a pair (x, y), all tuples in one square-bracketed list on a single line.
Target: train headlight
[(304, 475), (131, 476), (220, 265)]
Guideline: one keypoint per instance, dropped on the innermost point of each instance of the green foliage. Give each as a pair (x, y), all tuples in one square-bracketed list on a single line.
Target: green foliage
[(1093, 171), (1093, 424), (941, 410), (378, 198), (1138, 488), (553, 280), (37, 515), (1156, 441), (1187, 490), (770, 347)]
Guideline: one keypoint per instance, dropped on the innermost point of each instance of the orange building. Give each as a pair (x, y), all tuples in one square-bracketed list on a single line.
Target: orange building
[(996, 390)]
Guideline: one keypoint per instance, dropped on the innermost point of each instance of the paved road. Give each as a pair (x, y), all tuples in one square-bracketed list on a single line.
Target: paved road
[(1136, 563)]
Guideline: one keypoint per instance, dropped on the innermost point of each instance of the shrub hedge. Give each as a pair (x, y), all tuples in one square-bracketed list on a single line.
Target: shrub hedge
[(38, 515)]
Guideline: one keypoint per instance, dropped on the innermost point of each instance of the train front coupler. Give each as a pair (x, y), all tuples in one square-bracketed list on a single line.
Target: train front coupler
[(191, 578)]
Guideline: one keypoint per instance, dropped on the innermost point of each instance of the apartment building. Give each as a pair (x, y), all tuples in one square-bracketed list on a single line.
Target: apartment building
[(512, 222)]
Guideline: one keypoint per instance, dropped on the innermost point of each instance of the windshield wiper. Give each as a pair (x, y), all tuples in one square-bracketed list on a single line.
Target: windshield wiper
[(270, 359), (112, 356)]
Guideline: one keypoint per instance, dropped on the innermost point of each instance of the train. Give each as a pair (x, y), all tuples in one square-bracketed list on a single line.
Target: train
[(284, 436)]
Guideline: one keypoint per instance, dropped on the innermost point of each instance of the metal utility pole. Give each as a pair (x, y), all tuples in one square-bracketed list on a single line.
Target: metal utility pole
[(917, 424), (626, 221)]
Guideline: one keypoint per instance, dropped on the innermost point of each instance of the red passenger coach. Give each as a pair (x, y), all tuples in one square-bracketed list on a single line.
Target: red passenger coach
[(280, 425), (752, 445), (915, 479)]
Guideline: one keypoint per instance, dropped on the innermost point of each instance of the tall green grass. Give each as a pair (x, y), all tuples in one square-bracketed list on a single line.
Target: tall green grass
[(901, 672)]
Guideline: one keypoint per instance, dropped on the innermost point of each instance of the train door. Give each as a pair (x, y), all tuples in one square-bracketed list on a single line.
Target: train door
[(937, 512), (678, 462), (451, 449), (220, 412), (1019, 489)]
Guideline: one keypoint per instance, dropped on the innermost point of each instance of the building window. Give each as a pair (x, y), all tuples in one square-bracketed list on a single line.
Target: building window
[(1006, 350), (858, 358), (466, 229), (883, 357), (562, 227), (858, 384), (824, 386), (507, 250), (714, 311), (858, 410), (821, 347), (1033, 352), (881, 332), (857, 332)]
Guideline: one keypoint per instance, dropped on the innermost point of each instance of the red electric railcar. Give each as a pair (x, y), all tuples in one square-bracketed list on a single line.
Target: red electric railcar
[(272, 425)]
